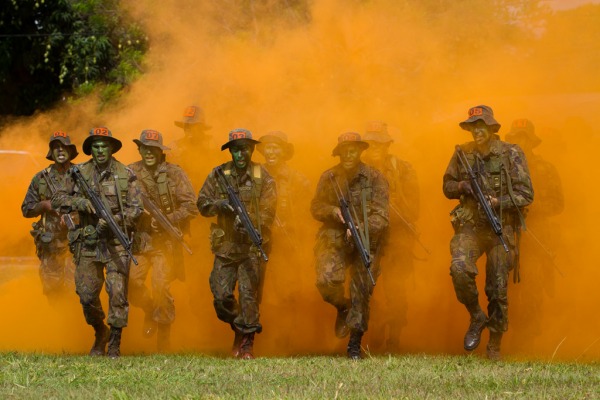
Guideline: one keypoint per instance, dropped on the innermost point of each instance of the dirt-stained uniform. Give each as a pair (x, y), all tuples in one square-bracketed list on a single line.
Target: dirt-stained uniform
[(170, 189), (95, 252), (505, 176), (366, 191), (49, 232)]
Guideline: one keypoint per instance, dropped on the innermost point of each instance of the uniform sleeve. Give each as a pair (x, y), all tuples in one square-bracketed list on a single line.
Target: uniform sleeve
[(134, 206), (208, 196), (268, 201), (379, 215), (32, 198), (186, 198), (408, 198), (62, 200), (451, 179), (549, 193), (322, 204), (518, 171)]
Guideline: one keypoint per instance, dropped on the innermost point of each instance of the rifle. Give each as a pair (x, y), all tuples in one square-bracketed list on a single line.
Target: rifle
[(481, 198), (164, 221), (351, 225), (410, 227), (240, 210), (103, 212), (51, 185)]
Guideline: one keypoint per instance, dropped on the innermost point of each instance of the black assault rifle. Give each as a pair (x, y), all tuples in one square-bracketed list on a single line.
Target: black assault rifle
[(240, 210), (351, 225), (103, 212), (481, 198), (164, 221)]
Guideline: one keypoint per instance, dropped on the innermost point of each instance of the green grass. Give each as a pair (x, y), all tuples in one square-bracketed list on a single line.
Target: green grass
[(36, 376)]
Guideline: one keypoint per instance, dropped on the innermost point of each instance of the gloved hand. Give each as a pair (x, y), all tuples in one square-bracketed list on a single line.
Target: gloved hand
[(238, 225), (101, 226), (223, 206), (465, 187), (82, 204)]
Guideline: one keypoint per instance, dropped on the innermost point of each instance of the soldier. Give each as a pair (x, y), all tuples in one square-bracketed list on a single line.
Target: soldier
[(542, 236), (93, 244), (50, 232), (400, 241), (237, 258), (167, 186), (504, 176), (366, 190)]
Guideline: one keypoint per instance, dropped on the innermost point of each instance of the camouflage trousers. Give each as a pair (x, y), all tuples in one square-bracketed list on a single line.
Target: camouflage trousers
[(89, 279), (333, 266), (241, 314), (159, 303), (57, 272), (466, 247)]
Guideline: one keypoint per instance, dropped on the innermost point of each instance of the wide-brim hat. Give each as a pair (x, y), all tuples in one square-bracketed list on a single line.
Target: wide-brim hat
[(484, 113), (152, 138), (348, 138), (100, 133), (62, 137), (239, 135), (523, 127), (193, 115), (279, 138), (376, 131)]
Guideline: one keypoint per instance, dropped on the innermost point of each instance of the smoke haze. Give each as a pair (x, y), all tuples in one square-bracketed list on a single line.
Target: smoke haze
[(317, 71)]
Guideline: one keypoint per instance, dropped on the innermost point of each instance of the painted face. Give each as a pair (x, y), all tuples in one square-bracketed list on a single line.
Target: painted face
[(350, 156), (376, 151), (241, 154), (60, 153), (481, 133), (273, 153), (101, 151), (151, 155)]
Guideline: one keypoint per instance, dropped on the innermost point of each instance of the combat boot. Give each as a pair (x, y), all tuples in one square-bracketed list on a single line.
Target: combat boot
[(341, 328), (163, 339), (247, 346), (149, 328), (477, 325), (237, 341), (493, 347), (102, 334), (114, 343), (354, 345)]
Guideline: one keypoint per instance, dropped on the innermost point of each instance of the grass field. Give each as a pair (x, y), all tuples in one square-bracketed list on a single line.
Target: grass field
[(37, 376)]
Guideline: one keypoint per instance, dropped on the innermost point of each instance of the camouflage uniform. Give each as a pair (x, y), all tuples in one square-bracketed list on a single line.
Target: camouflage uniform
[(50, 234), (156, 249), (236, 258), (506, 176), (366, 191)]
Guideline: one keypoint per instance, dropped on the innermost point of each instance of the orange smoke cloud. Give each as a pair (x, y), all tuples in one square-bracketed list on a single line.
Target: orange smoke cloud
[(315, 72)]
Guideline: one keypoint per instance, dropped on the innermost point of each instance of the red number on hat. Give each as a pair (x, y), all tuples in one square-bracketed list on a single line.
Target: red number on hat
[(520, 123), (101, 131), (475, 111), (189, 112), (152, 135), (238, 135), (59, 134)]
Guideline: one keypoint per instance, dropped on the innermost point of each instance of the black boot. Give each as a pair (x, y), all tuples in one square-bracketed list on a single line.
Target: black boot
[(102, 334), (354, 345), (341, 328), (114, 343), (477, 325), (247, 346), (163, 339), (493, 347)]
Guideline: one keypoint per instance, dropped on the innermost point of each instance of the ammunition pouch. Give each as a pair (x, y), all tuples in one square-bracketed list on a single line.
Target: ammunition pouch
[(46, 237), (217, 237), (89, 236)]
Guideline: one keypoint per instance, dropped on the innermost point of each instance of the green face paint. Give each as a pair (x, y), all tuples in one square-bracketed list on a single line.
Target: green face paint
[(241, 154), (101, 152)]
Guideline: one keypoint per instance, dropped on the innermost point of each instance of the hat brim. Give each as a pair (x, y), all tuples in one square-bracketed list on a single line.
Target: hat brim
[(360, 143), (512, 135), (71, 148), (151, 144), (87, 144), (234, 141), (183, 124), (489, 121)]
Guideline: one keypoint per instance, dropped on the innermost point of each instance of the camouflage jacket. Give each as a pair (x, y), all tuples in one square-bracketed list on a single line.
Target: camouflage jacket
[(549, 199), (176, 199), (504, 174), (257, 191), (39, 190), (116, 179), (376, 191), (292, 187)]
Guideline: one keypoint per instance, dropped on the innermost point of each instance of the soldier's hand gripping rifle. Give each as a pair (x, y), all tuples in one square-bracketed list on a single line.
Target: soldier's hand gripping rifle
[(103, 212), (66, 218), (352, 227), (164, 221), (240, 211), (481, 198)]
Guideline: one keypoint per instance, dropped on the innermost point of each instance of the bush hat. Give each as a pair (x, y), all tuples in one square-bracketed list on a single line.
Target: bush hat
[(100, 133), (523, 127), (150, 137), (281, 139), (60, 136), (239, 135), (349, 138), (484, 113), (377, 131), (192, 115)]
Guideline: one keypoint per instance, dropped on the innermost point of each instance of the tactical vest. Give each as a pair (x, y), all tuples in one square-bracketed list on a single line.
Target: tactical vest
[(122, 181), (43, 190), (248, 194), (159, 189)]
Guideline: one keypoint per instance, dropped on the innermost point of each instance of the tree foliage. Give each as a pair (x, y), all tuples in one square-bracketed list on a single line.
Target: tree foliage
[(55, 49)]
